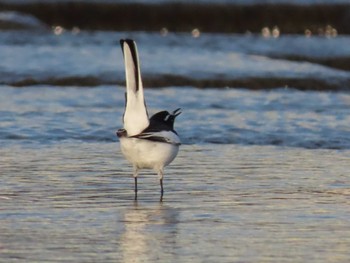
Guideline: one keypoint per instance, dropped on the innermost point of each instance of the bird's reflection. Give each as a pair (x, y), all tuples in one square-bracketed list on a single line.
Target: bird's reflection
[(149, 233)]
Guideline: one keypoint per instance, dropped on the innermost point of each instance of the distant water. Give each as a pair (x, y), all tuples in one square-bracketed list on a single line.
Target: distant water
[(262, 175), (85, 58)]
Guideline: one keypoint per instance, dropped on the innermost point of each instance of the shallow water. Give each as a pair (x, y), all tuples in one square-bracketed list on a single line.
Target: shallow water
[(250, 182), (228, 203), (284, 117)]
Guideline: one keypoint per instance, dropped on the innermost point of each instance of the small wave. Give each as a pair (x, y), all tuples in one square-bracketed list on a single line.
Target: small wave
[(281, 117), (283, 141), (18, 20), (76, 81), (342, 63), (166, 80), (339, 141), (52, 138)]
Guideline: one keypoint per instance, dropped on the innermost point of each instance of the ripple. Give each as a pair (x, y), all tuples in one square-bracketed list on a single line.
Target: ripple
[(75, 201)]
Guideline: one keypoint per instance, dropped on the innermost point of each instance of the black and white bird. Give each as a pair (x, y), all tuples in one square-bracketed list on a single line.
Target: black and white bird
[(145, 142)]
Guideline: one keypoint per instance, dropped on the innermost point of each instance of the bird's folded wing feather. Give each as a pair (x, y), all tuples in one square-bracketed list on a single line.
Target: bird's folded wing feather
[(135, 117), (161, 136)]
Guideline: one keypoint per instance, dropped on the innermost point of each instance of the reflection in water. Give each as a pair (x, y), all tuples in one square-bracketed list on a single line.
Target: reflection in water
[(224, 203), (149, 233)]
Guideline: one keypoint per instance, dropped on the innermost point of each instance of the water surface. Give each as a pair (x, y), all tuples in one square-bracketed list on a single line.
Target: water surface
[(229, 203), (263, 171), (261, 176)]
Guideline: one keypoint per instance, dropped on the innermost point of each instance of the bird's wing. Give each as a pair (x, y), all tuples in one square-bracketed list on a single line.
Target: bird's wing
[(161, 136), (135, 117)]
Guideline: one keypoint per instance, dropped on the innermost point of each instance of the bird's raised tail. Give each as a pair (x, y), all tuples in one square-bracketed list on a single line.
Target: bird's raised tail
[(135, 117)]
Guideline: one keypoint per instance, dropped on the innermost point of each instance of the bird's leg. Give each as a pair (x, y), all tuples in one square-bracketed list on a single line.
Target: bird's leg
[(161, 190), (135, 180), (161, 186), (160, 174)]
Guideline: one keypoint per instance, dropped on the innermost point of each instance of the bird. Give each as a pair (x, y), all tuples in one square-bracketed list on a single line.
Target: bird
[(146, 143)]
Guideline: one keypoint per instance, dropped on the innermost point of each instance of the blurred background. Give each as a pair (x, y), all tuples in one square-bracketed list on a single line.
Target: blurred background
[(226, 43)]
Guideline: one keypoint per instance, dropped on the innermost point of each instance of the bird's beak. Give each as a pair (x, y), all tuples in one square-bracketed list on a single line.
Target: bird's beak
[(176, 112)]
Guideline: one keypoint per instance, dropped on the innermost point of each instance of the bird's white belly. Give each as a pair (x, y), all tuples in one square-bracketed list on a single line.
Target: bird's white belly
[(148, 154)]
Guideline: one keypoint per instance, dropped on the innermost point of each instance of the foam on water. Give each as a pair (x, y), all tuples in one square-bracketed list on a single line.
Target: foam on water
[(92, 59)]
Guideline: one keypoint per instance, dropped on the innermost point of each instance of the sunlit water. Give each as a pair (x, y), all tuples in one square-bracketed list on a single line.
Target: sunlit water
[(261, 177), (73, 202)]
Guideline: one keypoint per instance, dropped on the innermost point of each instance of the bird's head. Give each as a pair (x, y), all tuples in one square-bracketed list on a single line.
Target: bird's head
[(166, 117)]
